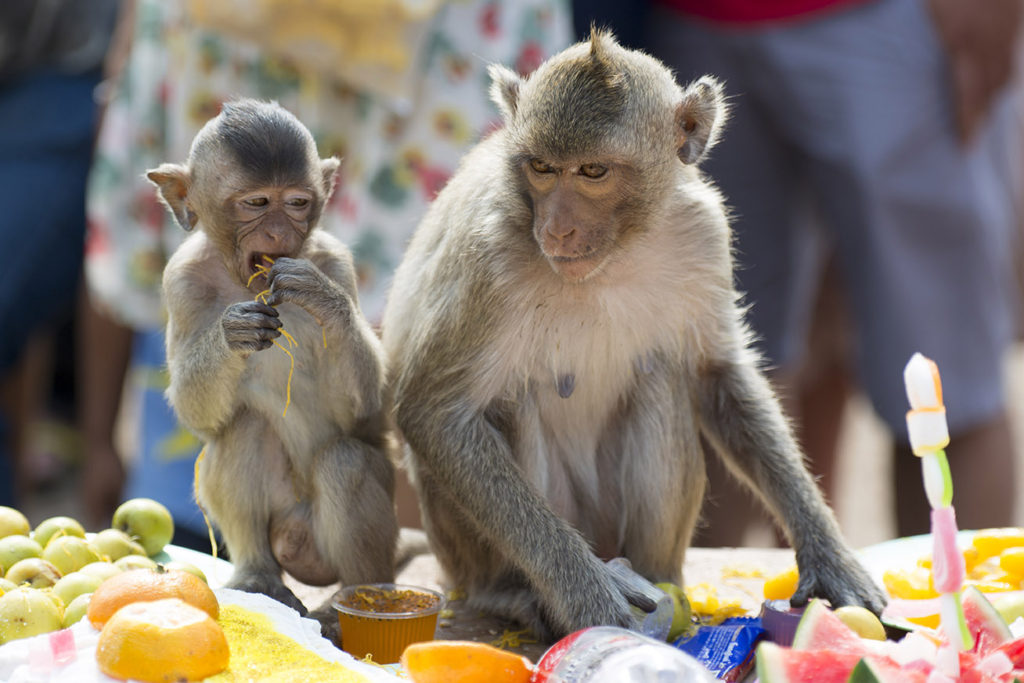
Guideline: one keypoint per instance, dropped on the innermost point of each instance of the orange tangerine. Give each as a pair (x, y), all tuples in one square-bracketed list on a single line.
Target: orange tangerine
[(162, 641), (137, 585), (464, 661)]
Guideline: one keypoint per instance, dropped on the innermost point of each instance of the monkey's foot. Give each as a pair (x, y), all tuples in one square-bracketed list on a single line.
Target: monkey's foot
[(330, 628), (274, 589)]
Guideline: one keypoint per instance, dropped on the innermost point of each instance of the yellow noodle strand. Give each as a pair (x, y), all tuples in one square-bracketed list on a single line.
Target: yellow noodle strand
[(323, 332), (195, 488), (290, 338), (288, 386)]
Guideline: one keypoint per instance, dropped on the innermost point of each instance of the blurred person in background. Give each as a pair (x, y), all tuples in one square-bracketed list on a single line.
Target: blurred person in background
[(52, 55), (397, 90), (869, 164)]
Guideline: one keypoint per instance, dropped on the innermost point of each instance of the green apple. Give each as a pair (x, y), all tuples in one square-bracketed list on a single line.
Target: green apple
[(74, 584), (35, 571), (102, 570), (69, 553), (681, 614), (13, 522), (15, 548), (146, 521), (114, 544), (186, 567), (135, 562), (6, 585), (27, 612), (76, 609), (55, 527)]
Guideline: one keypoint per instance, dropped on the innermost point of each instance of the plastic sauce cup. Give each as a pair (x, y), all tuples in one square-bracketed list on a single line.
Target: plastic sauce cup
[(381, 619)]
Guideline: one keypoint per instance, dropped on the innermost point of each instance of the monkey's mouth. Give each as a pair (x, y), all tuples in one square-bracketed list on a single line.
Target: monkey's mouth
[(259, 265), (577, 268)]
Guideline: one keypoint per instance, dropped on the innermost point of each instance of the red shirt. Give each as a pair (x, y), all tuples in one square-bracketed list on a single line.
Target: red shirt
[(754, 11)]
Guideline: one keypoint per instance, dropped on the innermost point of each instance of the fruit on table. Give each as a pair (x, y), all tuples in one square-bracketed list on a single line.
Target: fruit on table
[(69, 553), (53, 527), (27, 612), (782, 585), (13, 522), (825, 649), (463, 661), (186, 567), (113, 544), (34, 571), (861, 621), (137, 585), (101, 570), (135, 562), (74, 584), (681, 613), (76, 609), (146, 521), (15, 548), (162, 640), (6, 585)]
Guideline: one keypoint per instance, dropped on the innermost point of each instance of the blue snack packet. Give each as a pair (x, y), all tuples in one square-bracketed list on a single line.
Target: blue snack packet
[(726, 650)]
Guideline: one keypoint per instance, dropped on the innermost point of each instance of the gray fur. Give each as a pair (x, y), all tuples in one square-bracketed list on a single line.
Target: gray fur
[(526, 490), (310, 491)]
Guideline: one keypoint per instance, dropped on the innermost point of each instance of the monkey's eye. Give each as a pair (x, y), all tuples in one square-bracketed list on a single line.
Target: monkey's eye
[(298, 202), (256, 201), (593, 170), (539, 166)]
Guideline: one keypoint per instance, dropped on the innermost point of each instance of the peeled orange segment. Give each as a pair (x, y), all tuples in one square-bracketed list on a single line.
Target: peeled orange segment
[(463, 661), (782, 586), (162, 641), (137, 585)]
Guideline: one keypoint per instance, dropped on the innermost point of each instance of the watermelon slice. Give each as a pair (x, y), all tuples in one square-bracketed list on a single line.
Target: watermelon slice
[(882, 670), (984, 622), (777, 664), (821, 629)]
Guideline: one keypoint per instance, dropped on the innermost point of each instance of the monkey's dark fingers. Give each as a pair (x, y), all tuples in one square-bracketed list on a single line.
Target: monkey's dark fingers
[(637, 590)]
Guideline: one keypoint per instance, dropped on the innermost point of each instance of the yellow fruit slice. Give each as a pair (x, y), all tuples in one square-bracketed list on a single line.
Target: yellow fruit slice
[(162, 641), (463, 661), (782, 585), (992, 542)]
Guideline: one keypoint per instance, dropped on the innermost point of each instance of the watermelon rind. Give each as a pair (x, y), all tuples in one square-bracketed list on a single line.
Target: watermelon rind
[(984, 621), (769, 663), (864, 672), (821, 629)]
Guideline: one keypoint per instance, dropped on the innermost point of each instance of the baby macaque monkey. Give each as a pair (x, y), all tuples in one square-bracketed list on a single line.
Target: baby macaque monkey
[(296, 471), (563, 334)]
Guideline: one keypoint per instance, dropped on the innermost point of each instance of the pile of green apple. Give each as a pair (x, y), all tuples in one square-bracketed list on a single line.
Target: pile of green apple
[(48, 573)]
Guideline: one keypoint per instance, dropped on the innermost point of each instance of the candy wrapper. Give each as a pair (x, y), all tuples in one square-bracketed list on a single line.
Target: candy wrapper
[(726, 650)]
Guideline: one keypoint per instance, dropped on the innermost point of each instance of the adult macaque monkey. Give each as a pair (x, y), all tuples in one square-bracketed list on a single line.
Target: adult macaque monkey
[(308, 490), (562, 333)]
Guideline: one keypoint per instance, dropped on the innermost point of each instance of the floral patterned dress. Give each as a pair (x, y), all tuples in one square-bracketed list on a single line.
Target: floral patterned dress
[(397, 152)]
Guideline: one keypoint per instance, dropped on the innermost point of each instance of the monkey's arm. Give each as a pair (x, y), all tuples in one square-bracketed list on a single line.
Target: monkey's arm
[(468, 457), (328, 293), (742, 418), (207, 348)]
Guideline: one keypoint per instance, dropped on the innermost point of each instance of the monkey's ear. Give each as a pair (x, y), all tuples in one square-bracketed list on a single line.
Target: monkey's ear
[(172, 182), (505, 85), (328, 172), (699, 118)]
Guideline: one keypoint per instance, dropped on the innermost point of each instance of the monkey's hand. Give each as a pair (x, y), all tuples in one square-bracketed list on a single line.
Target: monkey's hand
[(250, 326), (300, 282), (839, 577)]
